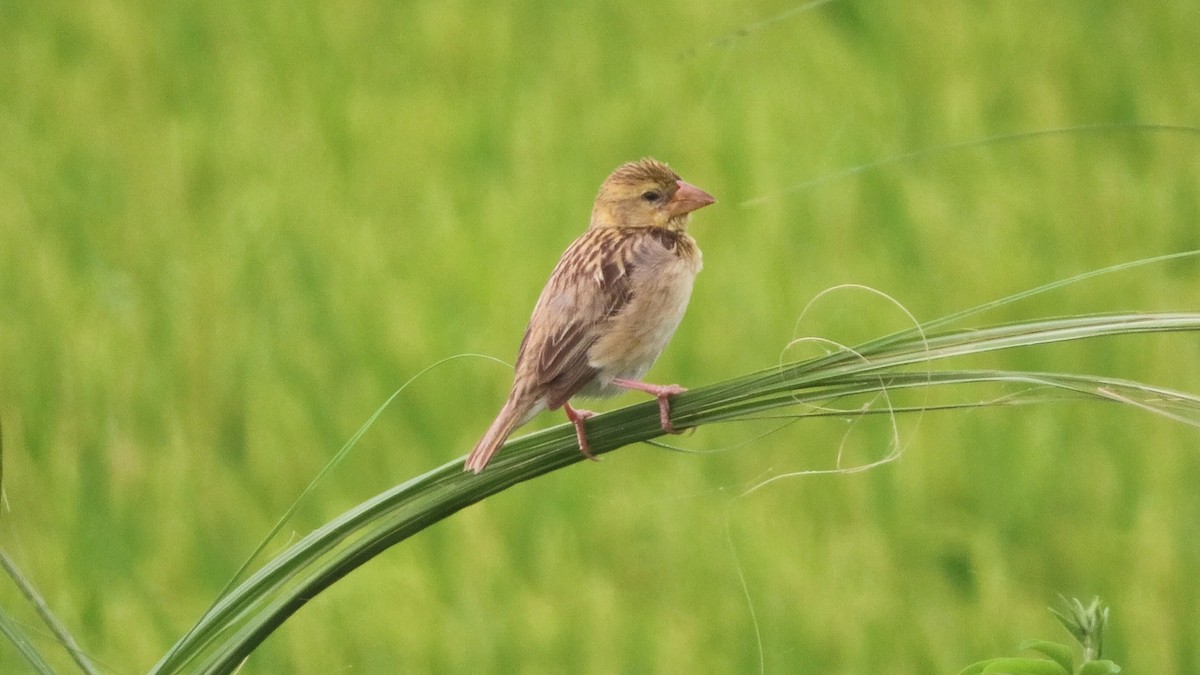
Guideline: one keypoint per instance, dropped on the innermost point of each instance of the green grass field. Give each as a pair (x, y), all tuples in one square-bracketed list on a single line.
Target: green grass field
[(229, 231)]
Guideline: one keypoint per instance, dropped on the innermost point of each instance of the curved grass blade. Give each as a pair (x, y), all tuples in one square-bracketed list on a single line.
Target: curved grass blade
[(241, 620), (60, 632)]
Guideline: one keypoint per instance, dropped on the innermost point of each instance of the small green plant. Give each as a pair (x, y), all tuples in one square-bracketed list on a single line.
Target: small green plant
[(1085, 624)]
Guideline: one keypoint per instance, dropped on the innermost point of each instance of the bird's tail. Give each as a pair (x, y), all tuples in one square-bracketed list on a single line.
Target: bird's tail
[(512, 415)]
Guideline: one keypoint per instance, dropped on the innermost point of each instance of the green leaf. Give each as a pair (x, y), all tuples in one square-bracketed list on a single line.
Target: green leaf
[(1020, 666), (975, 668), (1086, 624), (1059, 653), (1101, 667)]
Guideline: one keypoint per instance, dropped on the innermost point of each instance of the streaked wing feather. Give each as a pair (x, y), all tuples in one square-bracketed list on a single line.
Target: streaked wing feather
[(590, 284)]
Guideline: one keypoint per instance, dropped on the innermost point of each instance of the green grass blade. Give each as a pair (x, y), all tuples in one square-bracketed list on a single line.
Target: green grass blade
[(60, 632), (16, 636), (241, 620)]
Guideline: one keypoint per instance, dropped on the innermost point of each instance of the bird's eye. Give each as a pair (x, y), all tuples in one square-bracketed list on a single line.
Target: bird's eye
[(651, 195)]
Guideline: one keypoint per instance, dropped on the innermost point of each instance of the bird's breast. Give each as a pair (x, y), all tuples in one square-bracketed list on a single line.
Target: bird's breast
[(663, 269)]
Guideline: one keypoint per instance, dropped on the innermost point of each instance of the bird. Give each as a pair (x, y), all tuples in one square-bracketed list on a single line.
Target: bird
[(610, 306)]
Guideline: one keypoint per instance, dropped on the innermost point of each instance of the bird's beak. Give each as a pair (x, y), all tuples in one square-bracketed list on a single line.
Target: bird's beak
[(688, 198)]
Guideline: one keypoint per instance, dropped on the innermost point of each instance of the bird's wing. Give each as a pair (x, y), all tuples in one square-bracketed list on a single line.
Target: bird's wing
[(589, 285)]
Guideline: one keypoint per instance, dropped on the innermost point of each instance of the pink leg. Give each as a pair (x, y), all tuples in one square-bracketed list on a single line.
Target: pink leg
[(577, 417), (663, 392)]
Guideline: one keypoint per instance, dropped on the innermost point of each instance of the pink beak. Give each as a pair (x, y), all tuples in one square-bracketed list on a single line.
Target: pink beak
[(688, 198)]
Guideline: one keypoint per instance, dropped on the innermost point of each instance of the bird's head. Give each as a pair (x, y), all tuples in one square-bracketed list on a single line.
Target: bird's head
[(647, 193)]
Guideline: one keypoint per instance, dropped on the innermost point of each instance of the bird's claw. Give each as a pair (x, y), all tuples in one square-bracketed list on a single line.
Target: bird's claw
[(664, 406), (663, 392), (577, 417)]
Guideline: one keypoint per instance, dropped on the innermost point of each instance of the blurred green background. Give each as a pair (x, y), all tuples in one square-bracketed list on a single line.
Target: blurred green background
[(228, 231)]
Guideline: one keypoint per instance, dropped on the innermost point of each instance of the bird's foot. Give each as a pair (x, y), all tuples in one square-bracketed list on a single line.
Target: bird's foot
[(663, 392), (577, 417)]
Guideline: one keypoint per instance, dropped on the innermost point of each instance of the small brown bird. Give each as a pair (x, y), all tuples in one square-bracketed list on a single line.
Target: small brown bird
[(611, 305)]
